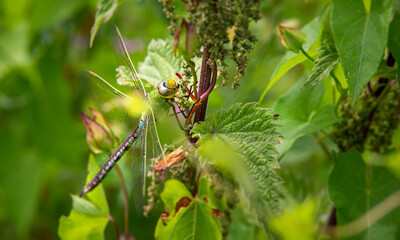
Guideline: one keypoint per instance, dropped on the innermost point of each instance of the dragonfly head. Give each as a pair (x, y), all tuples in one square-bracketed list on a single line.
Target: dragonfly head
[(167, 88)]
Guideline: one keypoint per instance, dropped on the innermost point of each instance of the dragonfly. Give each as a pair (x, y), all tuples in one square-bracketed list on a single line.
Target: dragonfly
[(145, 131)]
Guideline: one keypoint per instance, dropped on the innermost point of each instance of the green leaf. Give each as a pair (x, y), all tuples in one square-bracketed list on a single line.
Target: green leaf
[(47, 14), (85, 221), (360, 39), (88, 219), (240, 227), (326, 60), (173, 192), (340, 75), (367, 5), (204, 187), (123, 76), (160, 63), (394, 40), (96, 196), (351, 181), (301, 220), (194, 221), (14, 46), (302, 112), (104, 11), (248, 131), (312, 30), (396, 6), (218, 153)]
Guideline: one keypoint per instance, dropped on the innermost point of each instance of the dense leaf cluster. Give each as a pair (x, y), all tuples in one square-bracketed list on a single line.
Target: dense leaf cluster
[(252, 134), (351, 97), (370, 124), (222, 27)]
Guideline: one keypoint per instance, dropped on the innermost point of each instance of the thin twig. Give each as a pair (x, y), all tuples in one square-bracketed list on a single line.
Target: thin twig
[(176, 116), (323, 146), (114, 224)]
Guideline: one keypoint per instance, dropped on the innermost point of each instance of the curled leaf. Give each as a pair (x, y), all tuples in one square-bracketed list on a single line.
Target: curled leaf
[(97, 137), (324, 64)]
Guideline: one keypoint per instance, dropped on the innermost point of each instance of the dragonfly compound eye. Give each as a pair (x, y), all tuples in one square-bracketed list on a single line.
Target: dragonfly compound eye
[(167, 88)]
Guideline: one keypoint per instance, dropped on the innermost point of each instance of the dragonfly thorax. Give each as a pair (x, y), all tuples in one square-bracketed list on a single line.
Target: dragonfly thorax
[(167, 88)]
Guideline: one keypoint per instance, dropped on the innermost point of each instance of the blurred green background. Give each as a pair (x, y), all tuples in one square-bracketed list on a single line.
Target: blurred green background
[(43, 46)]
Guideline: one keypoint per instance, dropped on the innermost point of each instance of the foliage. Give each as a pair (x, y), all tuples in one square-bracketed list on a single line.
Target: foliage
[(303, 112), (159, 62), (187, 216), (301, 220), (358, 40), (290, 59), (370, 123), (212, 22), (394, 38), (324, 64), (94, 212), (356, 189), (323, 164), (104, 11), (250, 132)]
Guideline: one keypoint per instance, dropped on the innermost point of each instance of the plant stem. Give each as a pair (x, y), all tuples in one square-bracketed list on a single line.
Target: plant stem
[(330, 227), (338, 85), (126, 201), (204, 83), (323, 146), (112, 220), (204, 96)]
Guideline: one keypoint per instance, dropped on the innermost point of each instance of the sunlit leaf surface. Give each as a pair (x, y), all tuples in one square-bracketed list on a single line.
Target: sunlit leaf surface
[(251, 133), (360, 39), (290, 59), (160, 62), (193, 220)]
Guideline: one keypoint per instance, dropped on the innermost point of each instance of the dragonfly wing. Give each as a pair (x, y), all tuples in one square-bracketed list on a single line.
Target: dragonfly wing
[(157, 149), (98, 88), (103, 94), (139, 169), (123, 59)]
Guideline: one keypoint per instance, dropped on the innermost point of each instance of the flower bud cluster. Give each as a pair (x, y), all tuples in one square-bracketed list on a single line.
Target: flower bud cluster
[(210, 23), (370, 124)]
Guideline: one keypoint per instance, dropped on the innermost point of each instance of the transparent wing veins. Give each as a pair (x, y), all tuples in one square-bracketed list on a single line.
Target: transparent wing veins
[(122, 54)]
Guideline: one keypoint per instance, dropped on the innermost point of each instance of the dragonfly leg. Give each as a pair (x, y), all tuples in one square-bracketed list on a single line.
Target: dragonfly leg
[(175, 114), (190, 94)]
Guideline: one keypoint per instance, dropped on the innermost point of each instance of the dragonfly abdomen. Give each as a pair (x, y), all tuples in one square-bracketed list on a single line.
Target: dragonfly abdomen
[(113, 159)]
